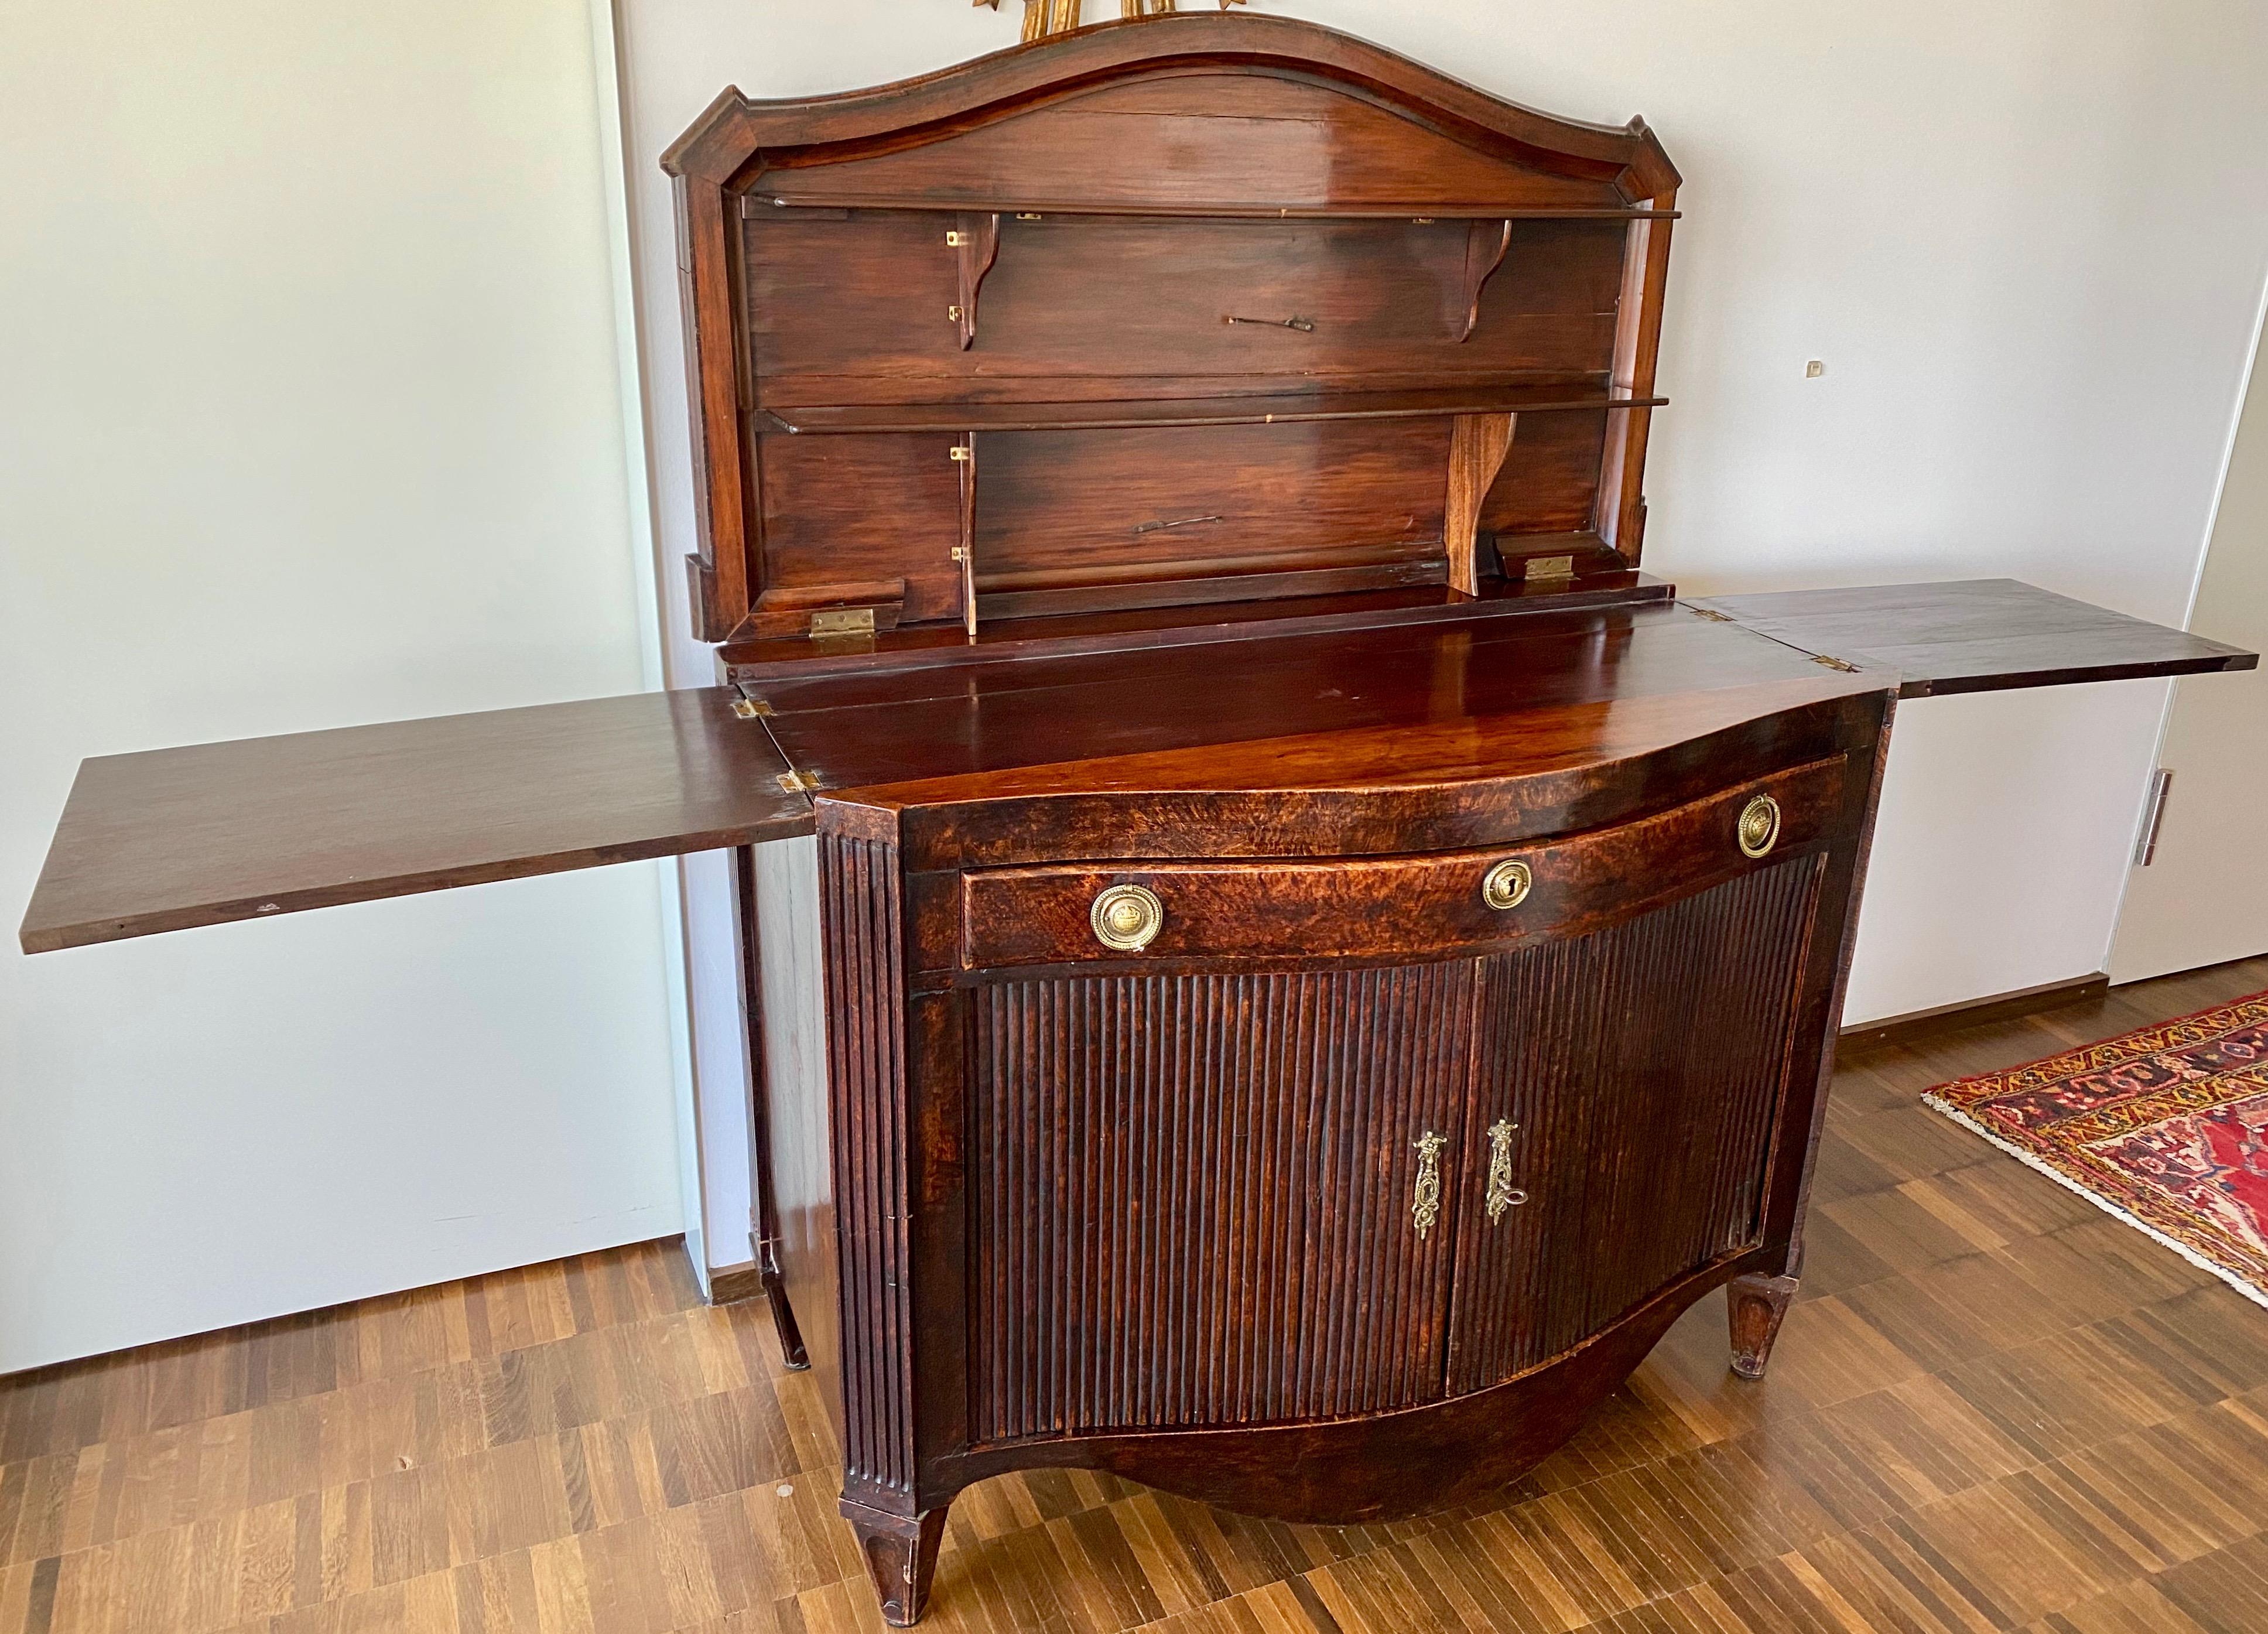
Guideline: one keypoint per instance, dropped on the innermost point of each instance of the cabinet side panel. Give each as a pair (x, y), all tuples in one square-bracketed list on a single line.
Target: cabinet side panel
[(795, 1079), (1640, 1068), (1191, 1197), (867, 1074)]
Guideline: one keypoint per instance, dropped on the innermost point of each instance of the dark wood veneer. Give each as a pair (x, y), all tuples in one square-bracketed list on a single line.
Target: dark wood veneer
[(172, 838), (1982, 635)]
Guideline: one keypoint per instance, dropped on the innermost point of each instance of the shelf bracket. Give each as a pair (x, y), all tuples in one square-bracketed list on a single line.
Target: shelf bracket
[(975, 241), (1485, 243), (1478, 445)]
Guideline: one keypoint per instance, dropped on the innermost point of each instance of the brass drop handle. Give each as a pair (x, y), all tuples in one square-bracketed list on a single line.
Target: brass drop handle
[(1126, 917), (1759, 826), (1506, 884), (1502, 1194), (1425, 1204)]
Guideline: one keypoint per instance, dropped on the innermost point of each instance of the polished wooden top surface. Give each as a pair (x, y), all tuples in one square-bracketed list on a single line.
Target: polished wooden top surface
[(1979, 635), (172, 838), (1495, 699)]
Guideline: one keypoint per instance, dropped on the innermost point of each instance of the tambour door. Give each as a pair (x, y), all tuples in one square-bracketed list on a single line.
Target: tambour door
[(1624, 1096), (1211, 1198)]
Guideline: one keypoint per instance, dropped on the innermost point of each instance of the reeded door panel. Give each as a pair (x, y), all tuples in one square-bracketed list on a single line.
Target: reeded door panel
[(1192, 1196), (1627, 1081)]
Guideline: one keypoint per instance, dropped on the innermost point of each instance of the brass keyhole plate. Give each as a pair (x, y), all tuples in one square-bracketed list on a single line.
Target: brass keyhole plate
[(1506, 884)]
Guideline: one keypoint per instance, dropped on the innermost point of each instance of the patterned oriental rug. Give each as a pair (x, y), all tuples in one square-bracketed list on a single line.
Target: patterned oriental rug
[(2166, 1127)]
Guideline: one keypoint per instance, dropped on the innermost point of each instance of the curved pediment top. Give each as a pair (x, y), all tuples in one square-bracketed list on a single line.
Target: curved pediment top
[(729, 136)]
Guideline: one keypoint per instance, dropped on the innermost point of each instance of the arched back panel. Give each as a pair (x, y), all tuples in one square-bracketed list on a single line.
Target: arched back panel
[(1190, 311)]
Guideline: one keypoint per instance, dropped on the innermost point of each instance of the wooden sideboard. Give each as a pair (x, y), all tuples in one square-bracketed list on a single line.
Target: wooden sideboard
[(1279, 960)]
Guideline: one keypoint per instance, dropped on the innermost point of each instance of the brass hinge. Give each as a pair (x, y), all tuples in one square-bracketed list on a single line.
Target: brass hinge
[(842, 621), (1712, 614), (799, 782), (954, 240), (751, 708), (959, 451), (1847, 668), (1548, 566)]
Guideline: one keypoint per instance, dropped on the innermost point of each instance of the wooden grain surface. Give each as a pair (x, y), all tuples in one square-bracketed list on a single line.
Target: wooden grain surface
[(1499, 698), (1993, 1408), (172, 838), (1979, 635)]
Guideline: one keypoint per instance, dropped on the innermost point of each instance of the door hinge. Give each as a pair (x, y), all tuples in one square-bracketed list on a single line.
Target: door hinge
[(2146, 849), (842, 621)]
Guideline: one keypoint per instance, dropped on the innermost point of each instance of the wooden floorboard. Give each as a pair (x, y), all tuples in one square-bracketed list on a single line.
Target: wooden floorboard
[(1993, 1408)]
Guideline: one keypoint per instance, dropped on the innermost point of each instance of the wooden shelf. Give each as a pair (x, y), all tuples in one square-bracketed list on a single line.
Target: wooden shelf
[(758, 205), (1116, 413)]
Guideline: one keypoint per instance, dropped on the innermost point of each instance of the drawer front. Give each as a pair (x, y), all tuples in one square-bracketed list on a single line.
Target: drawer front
[(1394, 908)]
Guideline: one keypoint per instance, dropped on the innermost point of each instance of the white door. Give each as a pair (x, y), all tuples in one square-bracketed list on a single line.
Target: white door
[(2204, 897)]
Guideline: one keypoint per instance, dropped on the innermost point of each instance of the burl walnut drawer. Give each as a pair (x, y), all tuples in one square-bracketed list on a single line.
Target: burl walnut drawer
[(1390, 907)]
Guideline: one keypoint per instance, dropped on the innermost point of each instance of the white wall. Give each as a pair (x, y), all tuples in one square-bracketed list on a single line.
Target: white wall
[(2024, 238), (310, 414)]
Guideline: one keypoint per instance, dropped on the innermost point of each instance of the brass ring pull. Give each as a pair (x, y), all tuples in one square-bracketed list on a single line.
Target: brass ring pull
[(1425, 1204), (1759, 828), (1126, 917), (1505, 884), (1502, 1194)]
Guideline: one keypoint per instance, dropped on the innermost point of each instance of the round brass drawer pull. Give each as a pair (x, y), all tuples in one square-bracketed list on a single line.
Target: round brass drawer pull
[(1759, 829), (1126, 917), (1505, 884)]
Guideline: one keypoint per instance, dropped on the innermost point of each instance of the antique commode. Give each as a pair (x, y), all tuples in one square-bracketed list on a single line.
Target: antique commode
[(1311, 960)]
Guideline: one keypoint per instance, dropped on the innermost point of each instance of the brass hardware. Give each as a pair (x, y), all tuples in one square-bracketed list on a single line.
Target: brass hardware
[(1506, 884), (1847, 668), (954, 240), (1421, 221), (798, 782), (952, 314), (1502, 1194), (959, 451), (1029, 215), (967, 557), (1712, 614), (1305, 326), (1548, 566), (1186, 521), (751, 708), (842, 621), (1759, 829), (1425, 1206), (1126, 917)]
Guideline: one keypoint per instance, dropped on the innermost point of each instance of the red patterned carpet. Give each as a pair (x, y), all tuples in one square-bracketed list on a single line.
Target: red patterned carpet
[(2166, 1127)]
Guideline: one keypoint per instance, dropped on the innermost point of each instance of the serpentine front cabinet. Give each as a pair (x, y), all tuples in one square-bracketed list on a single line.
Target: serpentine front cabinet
[(1278, 960)]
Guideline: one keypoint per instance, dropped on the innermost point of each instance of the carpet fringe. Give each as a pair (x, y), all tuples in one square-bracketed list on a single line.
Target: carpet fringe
[(1939, 1104)]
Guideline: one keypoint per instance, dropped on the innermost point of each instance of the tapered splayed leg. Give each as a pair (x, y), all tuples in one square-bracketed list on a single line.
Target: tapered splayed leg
[(900, 1554), (1757, 1305)]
